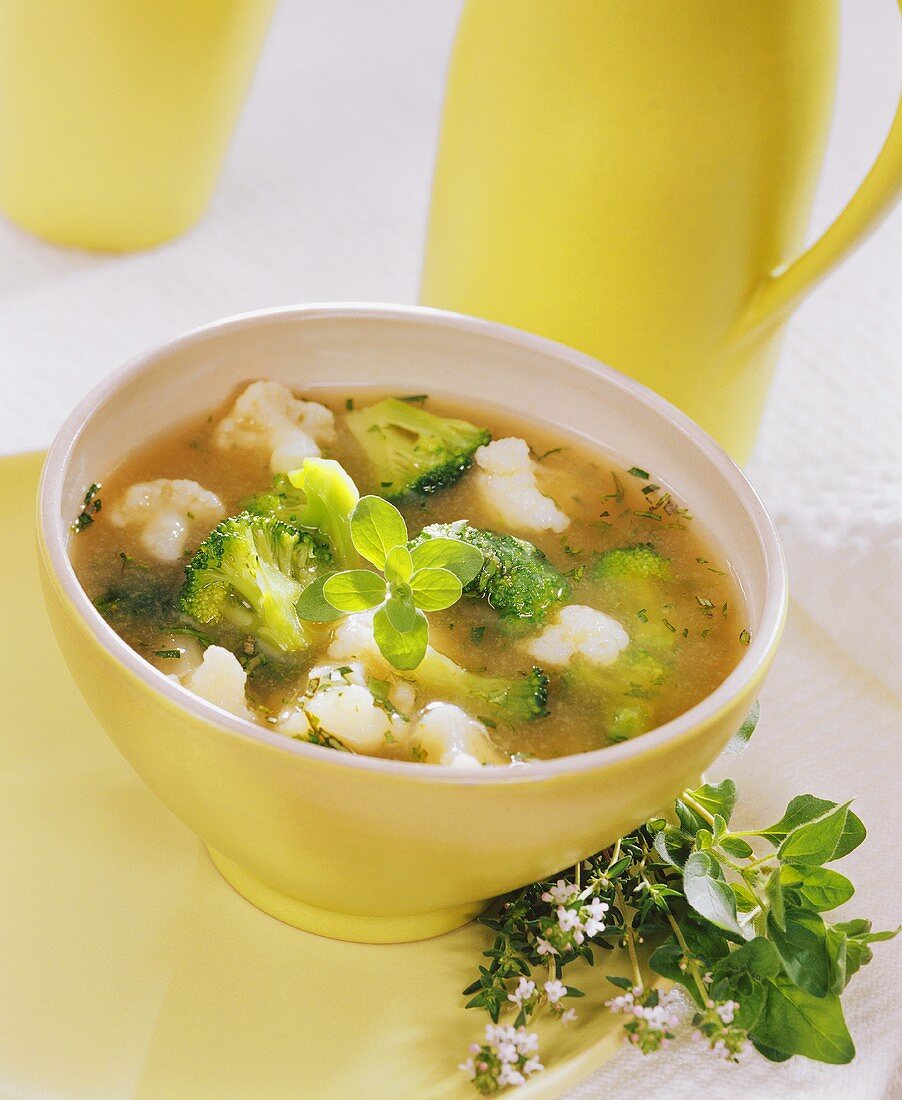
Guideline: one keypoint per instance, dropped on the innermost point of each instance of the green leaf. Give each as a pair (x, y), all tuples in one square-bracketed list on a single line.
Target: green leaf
[(807, 807), (403, 649), (852, 835), (769, 1053), (463, 560), (774, 893), (435, 589), (860, 929), (745, 899), (702, 938), (758, 957), (745, 988), (716, 798), (673, 846), (401, 612), (665, 960), (795, 1022), (847, 946), (708, 893), (376, 528), (398, 565), (814, 842), (615, 979), (820, 887), (837, 953), (313, 606), (743, 735), (354, 590), (736, 846), (803, 950)]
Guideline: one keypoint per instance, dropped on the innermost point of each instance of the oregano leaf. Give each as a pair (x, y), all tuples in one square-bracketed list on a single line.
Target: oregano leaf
[(820, 887), (801, 945), (708, 894), (795, 1022), (402, 649), (401, 612), (463, 560), (354, 590), (813, 843), (435, 589), (313, 606), (743, 735), (398, 565), (376, 528)]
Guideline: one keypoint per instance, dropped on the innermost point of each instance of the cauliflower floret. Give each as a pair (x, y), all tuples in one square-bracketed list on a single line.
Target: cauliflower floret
[(268, 417), (168, 512), (506, 478), (349, 713), (448, 735), (580, 630), (403, 696), (220, 679), (351, 672), (191, 655), (353, 640), (338, 704)]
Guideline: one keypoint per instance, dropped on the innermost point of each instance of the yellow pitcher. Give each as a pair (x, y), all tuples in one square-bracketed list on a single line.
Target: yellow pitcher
[(115, 114), (635, 177)]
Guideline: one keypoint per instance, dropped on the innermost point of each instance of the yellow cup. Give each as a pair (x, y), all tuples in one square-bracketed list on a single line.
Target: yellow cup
[(115, 115), (634, 179)]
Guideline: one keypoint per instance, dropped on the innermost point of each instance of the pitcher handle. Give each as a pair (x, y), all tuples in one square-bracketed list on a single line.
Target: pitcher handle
[(784, 287)]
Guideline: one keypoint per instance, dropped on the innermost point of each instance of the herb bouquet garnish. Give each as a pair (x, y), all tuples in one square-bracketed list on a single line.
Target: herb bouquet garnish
[(736, 914)]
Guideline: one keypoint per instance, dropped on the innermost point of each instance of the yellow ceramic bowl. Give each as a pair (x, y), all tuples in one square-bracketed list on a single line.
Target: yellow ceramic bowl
[(350, 846)]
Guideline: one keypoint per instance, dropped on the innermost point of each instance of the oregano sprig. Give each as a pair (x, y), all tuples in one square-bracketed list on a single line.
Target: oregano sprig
[(411, 581), (737, 916)]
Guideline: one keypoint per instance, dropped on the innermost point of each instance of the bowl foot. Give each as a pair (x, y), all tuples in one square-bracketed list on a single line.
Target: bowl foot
[(341, 926)]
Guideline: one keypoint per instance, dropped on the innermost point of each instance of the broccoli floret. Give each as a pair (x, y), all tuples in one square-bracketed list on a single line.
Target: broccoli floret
[(628, 721), (621, 694), (319, 495), (508, 699), (247, 575), (516, 578), (632, 580), (631, 562), (414, 450)]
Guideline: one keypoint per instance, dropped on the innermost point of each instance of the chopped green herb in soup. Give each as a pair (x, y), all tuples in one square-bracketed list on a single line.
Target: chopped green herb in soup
[(409, 577)]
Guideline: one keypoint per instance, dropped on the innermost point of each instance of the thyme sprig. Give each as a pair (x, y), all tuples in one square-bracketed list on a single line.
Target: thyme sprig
[(736, 915)]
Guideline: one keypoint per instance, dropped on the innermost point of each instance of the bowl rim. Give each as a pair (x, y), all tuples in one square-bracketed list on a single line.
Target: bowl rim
[(53, 534)]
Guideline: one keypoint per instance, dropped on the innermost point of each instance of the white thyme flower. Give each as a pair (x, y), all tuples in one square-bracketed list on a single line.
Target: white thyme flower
[(507, 1052), (532, 1065), (469, 1068), (623, 1003), (527, 1041), (568, 919), (523, 992), (727, 1011), (508, 1075), (594, 922), (561, 892), (544, 947), (555, 990), (569, 1016)]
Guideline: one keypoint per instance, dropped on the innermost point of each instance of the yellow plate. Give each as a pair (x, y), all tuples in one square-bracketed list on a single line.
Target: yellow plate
[(130, 968)]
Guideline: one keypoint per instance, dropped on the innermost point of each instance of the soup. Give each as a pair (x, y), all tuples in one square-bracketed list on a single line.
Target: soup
[(593, 608)]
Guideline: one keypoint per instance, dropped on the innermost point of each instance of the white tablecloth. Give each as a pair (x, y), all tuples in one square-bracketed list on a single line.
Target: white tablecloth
[(324, 197)]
